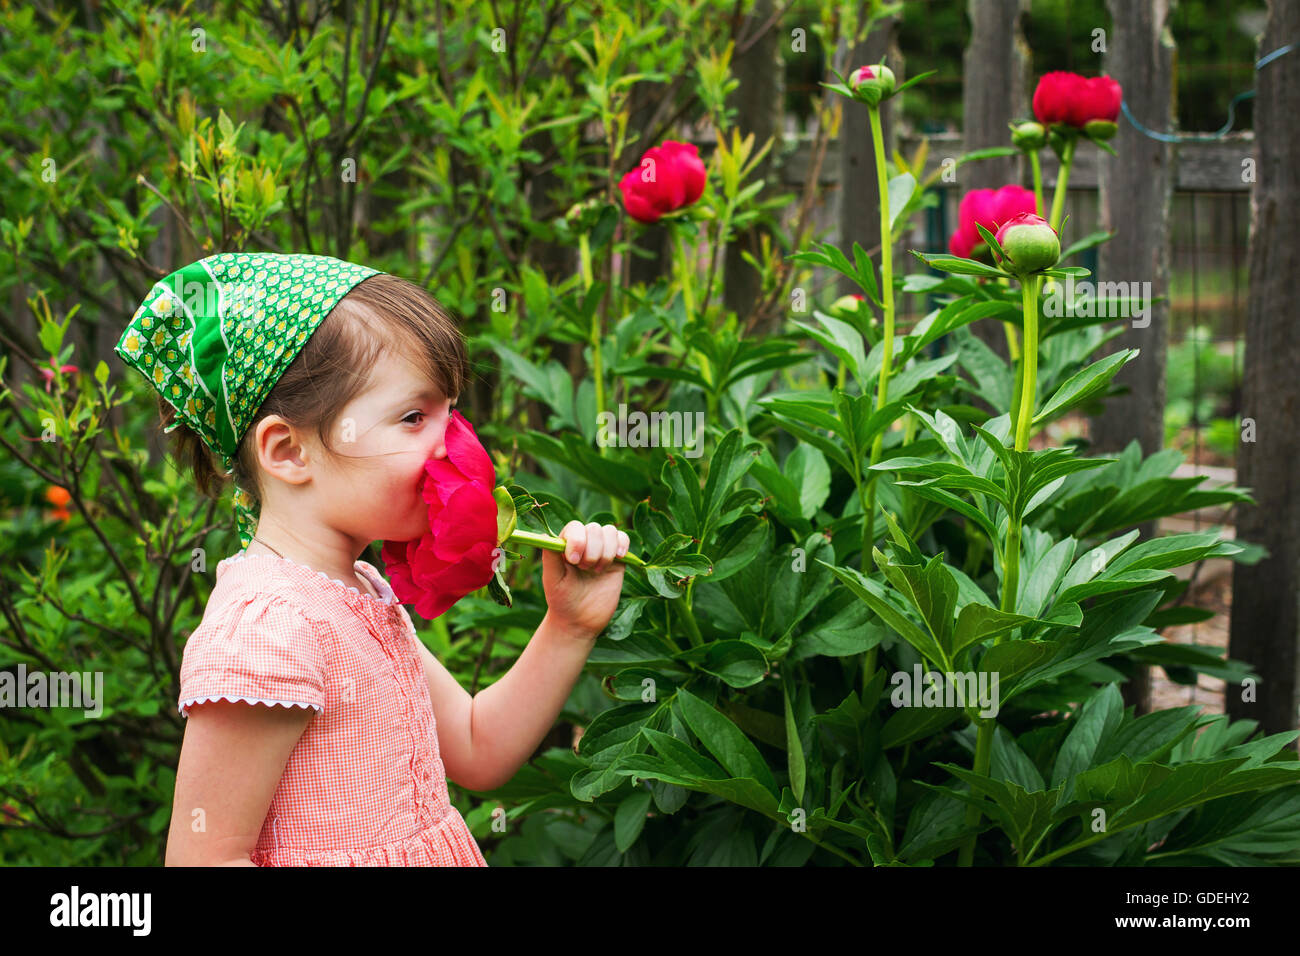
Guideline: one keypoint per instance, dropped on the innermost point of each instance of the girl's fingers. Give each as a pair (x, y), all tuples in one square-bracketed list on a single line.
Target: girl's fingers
[(595, 546), (575, 537), (612, 543)]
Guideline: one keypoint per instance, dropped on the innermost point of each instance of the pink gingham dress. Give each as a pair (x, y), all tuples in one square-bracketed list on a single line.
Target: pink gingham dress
[(365, 784)]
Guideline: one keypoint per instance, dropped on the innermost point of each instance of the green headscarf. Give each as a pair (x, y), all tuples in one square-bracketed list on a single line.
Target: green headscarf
[(214, 337)]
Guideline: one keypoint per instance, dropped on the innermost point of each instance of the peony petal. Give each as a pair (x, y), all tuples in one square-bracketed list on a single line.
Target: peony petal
[(977, 206), (466, 451), (1009, 202), (469, 518), (634, 201), (961, 243)]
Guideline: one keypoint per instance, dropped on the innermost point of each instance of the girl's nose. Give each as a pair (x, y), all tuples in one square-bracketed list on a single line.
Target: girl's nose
[(439, 447)]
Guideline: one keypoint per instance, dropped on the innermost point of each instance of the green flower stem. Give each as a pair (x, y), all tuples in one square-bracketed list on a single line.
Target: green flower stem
[(598, 369), (550, 542), (1026, 386), (1029, 361), (983, 751), (1010, 571), (687, 275), (1019, 386), (887, 357), (887, 342), (1062, 180), (1011, 552), (869, 524), (584, 259), (688, 619), (687, 272), (1037, 167), (1058, 196)]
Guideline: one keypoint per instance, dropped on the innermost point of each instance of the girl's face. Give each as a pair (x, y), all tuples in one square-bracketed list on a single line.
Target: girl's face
[(382, 439)]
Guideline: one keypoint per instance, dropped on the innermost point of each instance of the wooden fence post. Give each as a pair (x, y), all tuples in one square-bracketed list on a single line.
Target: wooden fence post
[(760, 102), (859, 204), (993, 94), (1135, 198), (1265, 621)]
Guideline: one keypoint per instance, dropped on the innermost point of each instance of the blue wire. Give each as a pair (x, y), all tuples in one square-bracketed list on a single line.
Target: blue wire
[(1204, 137)]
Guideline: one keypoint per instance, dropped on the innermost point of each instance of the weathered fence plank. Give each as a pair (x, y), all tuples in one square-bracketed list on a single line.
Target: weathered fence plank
[(1265, 626)]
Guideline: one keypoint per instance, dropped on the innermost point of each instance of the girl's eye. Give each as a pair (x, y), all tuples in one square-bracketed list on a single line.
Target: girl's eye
[(408, 417)]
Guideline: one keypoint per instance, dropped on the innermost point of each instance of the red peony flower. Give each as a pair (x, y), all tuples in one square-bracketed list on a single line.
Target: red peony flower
[(455, 556), (1073, 100), (667, 178), (989, 208)]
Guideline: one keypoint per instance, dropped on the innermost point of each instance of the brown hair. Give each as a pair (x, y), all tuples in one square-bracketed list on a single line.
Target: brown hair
[(381, 314)]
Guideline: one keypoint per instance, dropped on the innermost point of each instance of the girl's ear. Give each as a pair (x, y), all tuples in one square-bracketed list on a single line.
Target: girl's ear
[(280, 450)]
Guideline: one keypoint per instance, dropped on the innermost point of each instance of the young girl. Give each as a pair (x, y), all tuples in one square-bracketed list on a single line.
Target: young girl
[(320, 730)]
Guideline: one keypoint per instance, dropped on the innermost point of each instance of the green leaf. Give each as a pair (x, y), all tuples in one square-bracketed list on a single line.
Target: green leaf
[(914, 723), (812, 476), (979, 622), (841, 339), (729, 462), (684, 760), (684, 499), (1087, 242), (1084, 385), (959, 266), (900, 191), (1099, 717), (794, 748), (931, 591), (725, 741), (874, 596), (611, 737), (629, 819), (735, 663), (738, 544)]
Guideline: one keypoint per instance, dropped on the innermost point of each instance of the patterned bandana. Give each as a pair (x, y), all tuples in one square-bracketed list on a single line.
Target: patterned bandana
[(214, 337)]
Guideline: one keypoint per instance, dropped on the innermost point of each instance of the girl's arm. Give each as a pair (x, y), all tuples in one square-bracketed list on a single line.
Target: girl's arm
[(232, 758), (484, 739)]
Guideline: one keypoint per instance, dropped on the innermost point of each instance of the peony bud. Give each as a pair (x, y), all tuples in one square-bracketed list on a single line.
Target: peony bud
[(873, 83), (846, 305), (1029, 136), (1030, 243)]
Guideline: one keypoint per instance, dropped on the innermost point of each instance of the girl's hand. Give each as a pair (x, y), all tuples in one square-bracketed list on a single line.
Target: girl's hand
[(583, 583)]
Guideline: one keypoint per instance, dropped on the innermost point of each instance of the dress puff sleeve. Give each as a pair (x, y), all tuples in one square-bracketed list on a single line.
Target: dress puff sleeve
[(259, 649)]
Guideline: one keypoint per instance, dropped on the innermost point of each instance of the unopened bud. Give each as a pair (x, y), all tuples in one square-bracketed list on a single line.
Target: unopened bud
[(846, 305), (872, 83), (1031, 244), (1029, 136)]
